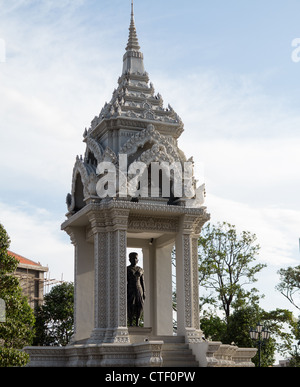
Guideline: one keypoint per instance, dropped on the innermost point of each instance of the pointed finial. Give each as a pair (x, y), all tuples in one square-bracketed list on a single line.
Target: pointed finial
[(133, 43), (132, 13), (133, 58)]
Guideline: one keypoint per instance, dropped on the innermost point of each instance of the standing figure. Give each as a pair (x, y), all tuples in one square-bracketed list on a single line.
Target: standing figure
[(135, 290)]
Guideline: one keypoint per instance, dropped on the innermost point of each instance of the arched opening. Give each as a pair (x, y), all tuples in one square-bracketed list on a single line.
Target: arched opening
[(91, 159), (79, 195)]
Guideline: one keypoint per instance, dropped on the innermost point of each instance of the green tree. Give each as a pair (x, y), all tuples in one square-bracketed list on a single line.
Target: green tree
[(16, 331), (55, 319), (213, 327), (226, 265), (289, 285), (295, 352), (240, 322), (280, 323)]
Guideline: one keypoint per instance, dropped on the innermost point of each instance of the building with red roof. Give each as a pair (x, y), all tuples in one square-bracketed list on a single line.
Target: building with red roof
[(31, 277)]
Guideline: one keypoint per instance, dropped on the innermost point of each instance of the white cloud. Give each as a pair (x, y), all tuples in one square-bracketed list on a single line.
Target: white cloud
[(277, 229), (37, 236), (233, 106), (252, 170), (245, 142), (51, 89), (45, 5)]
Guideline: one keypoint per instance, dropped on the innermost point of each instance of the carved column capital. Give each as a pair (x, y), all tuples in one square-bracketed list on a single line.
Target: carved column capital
[(192, 224), (97, 222), (70, 231), (119, 218), (189, 224)]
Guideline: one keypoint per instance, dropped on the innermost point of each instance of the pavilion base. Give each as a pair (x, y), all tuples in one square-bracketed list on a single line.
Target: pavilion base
[(164, 351), (146, 354)]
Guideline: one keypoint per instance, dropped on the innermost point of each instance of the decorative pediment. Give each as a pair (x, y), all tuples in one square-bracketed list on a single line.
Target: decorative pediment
[(109, 156), (94, 147), (151, 135), (83, 184), (158, 153)]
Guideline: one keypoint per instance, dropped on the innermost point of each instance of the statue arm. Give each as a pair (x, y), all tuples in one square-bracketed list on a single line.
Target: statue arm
[(143, 286)]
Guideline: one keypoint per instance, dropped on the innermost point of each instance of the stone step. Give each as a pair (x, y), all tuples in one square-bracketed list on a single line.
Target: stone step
[(178, 355), (169, 339), (176, 346), (179, 364)]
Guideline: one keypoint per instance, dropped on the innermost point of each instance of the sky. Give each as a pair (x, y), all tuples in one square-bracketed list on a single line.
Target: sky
[(228, 68)]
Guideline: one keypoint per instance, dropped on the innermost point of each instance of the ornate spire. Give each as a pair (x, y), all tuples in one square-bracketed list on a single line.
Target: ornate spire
[(133, 43), (133, 58)]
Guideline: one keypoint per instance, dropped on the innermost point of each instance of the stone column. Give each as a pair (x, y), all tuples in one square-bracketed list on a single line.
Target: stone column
[(196, 311), (158, 311), (118, 275), (149, 281), (187, 283), (84, 284), (101, 270), (117, 331), (110, 240), (163, 311)]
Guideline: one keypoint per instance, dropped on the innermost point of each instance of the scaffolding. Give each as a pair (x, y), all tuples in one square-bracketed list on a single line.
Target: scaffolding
[(36, 284), (50, 282)]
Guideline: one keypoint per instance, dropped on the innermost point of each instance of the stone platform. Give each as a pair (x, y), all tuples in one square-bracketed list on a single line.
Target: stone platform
[(144, 350), (146, 354)]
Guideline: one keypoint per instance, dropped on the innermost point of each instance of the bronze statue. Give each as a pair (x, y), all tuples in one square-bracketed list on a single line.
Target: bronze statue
[(135, 290)]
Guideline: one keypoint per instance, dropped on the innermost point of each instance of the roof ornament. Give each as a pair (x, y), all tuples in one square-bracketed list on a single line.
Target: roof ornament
[(133, 43), (133, 58)]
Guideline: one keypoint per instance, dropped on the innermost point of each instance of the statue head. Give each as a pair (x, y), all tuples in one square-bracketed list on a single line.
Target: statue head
[(133, 258)]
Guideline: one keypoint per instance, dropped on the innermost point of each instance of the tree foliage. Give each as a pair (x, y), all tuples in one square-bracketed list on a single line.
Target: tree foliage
[(289, 285), (54, 319), (17, 329), (236, 330), (226, 265), (226, 269)]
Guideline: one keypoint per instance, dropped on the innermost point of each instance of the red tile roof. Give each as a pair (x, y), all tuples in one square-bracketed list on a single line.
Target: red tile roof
[(23, 260)]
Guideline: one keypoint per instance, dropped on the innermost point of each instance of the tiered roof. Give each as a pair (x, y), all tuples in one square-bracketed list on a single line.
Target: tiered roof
[(135, 97), (135, 124)]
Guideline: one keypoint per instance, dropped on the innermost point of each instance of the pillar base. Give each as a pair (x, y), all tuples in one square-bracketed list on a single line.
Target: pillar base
[(110, 336), (193, 335), (139, 335)]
